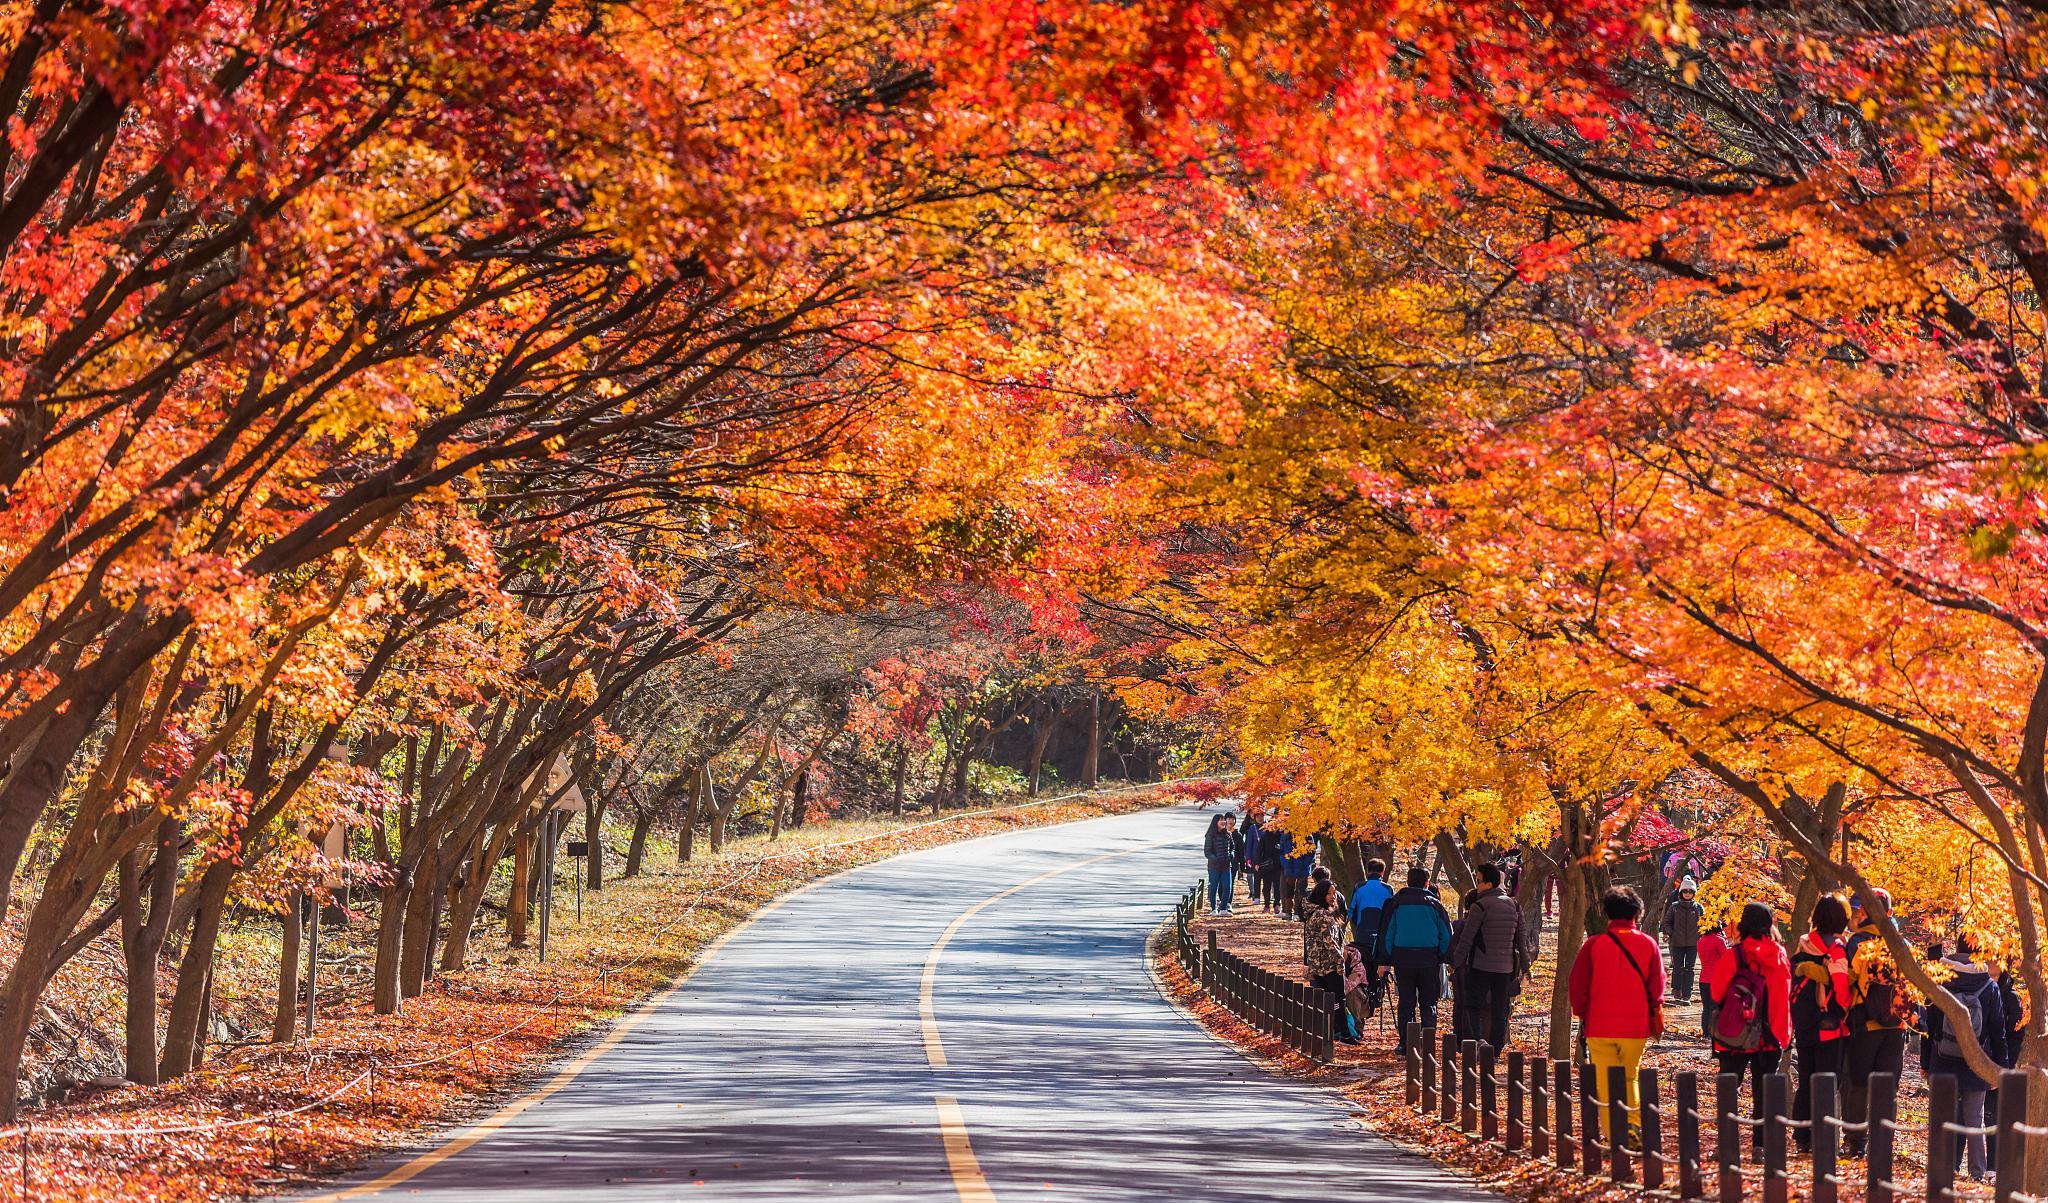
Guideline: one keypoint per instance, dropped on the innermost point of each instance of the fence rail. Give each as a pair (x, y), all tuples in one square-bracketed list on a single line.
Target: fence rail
[(1302, 1017), (1559, 1113), (1462, 1084)]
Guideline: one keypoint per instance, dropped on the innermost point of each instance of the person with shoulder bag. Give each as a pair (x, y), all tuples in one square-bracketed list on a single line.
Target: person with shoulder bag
[(1941, 1050), (1617, 993), (1880, 1009)]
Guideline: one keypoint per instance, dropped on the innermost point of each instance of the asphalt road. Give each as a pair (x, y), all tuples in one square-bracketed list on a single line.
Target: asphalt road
[(970, 1023)]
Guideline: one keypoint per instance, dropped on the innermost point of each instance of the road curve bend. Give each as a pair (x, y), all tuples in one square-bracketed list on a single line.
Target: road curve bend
[(964, 1024)]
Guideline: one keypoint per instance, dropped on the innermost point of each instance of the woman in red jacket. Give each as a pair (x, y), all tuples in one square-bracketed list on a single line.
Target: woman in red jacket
[(1751, 986), (1618, 994)]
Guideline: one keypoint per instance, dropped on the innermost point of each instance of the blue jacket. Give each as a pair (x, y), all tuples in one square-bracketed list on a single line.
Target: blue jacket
[(1254, 831), (1293, 863), (1415, 930), (1366, 902)]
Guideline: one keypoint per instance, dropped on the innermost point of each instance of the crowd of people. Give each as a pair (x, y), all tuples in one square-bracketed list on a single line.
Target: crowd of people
[(1834, 1002)]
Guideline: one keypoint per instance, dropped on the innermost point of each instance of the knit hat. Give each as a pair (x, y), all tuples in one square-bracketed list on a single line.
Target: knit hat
[(1688, 885)]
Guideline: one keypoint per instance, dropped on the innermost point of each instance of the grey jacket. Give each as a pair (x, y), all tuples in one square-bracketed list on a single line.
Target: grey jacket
[(1489, 934), (1682, 923)]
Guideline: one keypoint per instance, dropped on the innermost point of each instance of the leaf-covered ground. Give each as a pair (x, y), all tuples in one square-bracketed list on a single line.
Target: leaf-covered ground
[(366, 1082), (1370, 1076)]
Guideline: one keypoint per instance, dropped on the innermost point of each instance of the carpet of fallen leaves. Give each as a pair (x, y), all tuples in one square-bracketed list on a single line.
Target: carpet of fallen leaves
[(1370, 1075), (264, 1117)]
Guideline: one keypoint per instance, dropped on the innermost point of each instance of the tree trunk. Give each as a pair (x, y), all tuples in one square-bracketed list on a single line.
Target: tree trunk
[(422, 909), (522, 881), (1035, 766), (142, 945), (1571, 936), (1450, 858), (593, 836), (636, 848), (902, 766), (286, 1025), (386, 997), (800, 799), (185, 1031), (686, 839), (1091, 761)]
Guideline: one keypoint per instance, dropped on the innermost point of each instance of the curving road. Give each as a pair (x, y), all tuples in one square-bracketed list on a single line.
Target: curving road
[(970, 1023)]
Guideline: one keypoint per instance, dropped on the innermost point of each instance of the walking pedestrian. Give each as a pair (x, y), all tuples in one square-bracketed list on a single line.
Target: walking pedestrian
[(1322, 948), (1617, 992), (1367, 901), (1487, 953), (1751, 986), (1223, 849), (1415, 939), (1878, 1014), (1253, 831), (1681, 928), (1712, 947), (1820, 1005), (1941, 1052), (1270, 848), (1297, 861)]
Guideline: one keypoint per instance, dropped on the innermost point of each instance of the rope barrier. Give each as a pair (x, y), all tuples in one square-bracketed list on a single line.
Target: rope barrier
[(1836, 1121), (1966, 1130)]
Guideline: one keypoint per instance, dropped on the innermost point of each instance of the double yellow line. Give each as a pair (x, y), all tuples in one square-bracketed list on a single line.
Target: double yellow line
[(968, 1179)]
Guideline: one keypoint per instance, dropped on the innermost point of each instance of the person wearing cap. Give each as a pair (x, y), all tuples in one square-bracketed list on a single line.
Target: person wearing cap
[(1879, 1009), (1681, 928)]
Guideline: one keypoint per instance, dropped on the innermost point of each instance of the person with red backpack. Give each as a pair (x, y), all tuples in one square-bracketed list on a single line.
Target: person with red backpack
[(1751, 985), (1820, 1006)]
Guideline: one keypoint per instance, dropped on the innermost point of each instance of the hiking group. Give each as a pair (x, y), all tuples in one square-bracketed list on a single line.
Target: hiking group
[(1835, 1002)]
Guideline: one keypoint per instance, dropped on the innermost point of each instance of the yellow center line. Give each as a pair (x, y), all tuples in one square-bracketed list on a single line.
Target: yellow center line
[(960, 1158), (934, 1048)]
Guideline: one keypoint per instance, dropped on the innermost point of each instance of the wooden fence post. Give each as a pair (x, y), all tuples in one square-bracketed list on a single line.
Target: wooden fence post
[(1489, 1093), (1687, 1105), (1941, 1140), (1728, 1136), (1410, 1038), (1619, 1167), (1878, 1142), (1826, 1138), (1539, 1107), (1777, 1186), (1561, 1113), (1651, 1101), (1589, 1122), (1468, 1065), (2012, 1143), (1430, 1069), (1447, 1101), (1515, 1129)]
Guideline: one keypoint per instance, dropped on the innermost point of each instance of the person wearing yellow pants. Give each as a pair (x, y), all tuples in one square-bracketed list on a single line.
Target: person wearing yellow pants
[(1617, 993)]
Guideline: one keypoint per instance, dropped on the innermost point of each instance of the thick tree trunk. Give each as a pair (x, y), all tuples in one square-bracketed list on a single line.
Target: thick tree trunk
[(686, 839), (421, 911), (522, 882), (1571, 935), (1091, 760), (800, 799), (1035, 766), (286, 1024), (636, 848), (593, 835), (1450, 860), (142, 944), (386, 997), (902, 767), (185, 1030)]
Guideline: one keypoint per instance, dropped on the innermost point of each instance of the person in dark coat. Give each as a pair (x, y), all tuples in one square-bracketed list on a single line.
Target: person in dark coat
[(1253, 831), (1415, 938), (1941, 1052), (1820, 1006), (1222, 847), (1272, 844), (1487, 955), (1297, 862), (1878, 1014), (1681, 930)]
